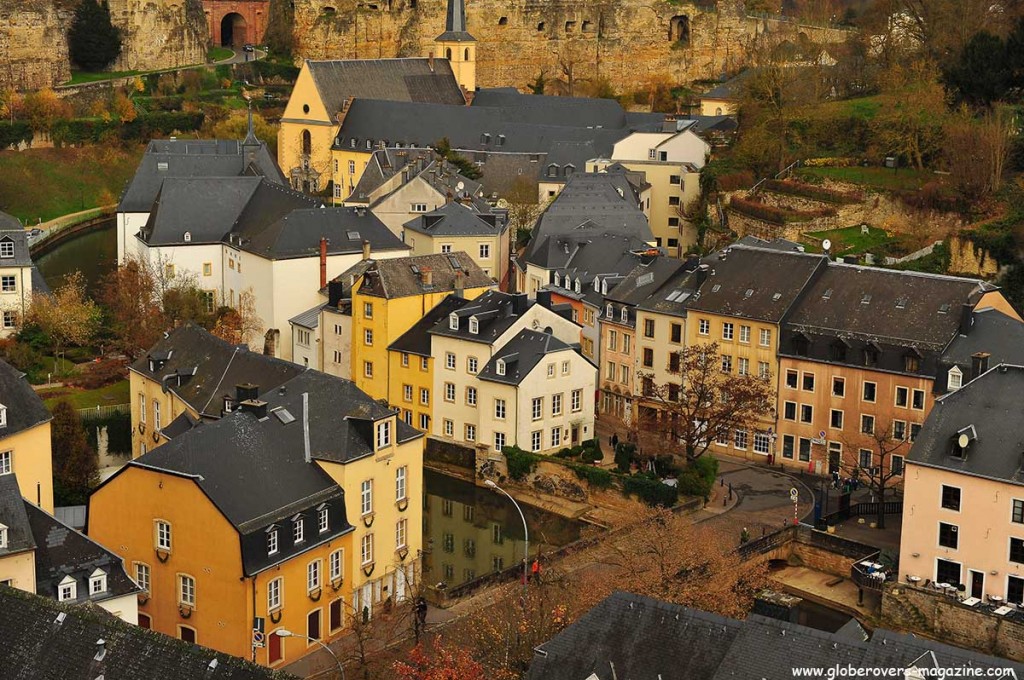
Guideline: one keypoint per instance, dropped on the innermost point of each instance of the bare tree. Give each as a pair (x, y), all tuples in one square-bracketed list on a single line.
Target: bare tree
[(706, 399), (238, 323), (883, 439)]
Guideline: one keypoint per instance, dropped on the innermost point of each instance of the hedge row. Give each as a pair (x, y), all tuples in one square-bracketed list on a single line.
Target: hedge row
[(815, 193), (143, 128), (15, 133)]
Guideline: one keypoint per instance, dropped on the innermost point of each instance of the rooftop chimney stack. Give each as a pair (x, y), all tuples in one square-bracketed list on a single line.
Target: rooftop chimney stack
[(366, 250), (323, 262), (966, 318), (427, 276), (430, 61), (335, 291), (257, 407), (458, 285), (979, 363), (246, 391)]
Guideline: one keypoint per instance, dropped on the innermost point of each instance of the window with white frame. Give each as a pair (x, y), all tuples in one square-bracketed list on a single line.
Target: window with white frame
[(449, 427), (367, 337), (499, 409), (401, 532), (10, 319), (551, 370), (470, 432), (556, 404), (762, 443), (449, 361), (472, 365), (367, 369), (407, 392), (954, 379), (142, 575), (98, 582), (536, 438), (156, 414), (577, 400), (6, 462), (449, 392), (383, 434), (453, 321), (556, 436), (424, 422), (186, 590), (8, 284), (470, 396), (312, 576), (745, 334), (566, 366), (704, 327), (274, 594), (67, 590), (424, 396), (6, 248), (323, 520), (446, 248), (142, 408), (537, 408), (401, 474), (485, 251), (163, 535), (474, 325), (499, 367), (499, 441), (727, 331), (298, 529), (334, 565), (366, 497), (366, 549), (272, 542)]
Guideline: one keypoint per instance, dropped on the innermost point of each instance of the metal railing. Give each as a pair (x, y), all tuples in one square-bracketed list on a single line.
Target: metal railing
[(869, 509), (104, 411)]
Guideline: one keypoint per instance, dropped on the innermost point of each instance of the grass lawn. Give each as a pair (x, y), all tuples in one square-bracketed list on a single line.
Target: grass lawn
[(115, 393), (46, 183), (79, 77), (874, 177), (219, 54), (850, 240)]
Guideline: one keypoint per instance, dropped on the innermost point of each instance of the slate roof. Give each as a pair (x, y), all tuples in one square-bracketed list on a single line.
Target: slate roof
[(456, 219), (455, 24), (595, 203), (631, 636), (9, 222), (400, 80), (179, 426), (645, 279), (671, 298), (14, 516), (195, 158), (551, 110), (22, 257), (1001, 336), (24, 407), (309, 318), (402, 276), (61, 552), (221, 366), (203, 207), (990, 404), (495, 311), (729, 90), (883, 305), (774, 280), (298, 234), (521, 354), (37, 646), (416, 340)]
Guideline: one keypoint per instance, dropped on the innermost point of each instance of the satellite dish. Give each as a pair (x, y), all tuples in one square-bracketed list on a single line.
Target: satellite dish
[(827, 244), (963, 440), (460, 186)]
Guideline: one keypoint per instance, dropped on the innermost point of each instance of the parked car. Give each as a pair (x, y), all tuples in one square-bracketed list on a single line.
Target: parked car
[(248, 47)]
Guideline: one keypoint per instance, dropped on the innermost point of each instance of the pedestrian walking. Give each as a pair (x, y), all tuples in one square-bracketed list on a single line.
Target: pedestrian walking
[(615, 441), (535, 570), (421, 616)]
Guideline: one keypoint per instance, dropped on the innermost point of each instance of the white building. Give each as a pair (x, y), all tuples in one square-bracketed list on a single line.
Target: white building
[(18, 276)]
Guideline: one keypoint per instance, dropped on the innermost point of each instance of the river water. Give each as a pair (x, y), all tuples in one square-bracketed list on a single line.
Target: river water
[(94, 253)]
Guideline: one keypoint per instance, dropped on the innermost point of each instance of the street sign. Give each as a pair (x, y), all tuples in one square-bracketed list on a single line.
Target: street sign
[(259, 637), (821, 434), (794, 494)]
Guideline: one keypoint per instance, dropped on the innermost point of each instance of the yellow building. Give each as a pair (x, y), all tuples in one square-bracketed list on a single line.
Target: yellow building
[(463, 227), (25, 438), (309, 513), (389, 296), (741, 305)]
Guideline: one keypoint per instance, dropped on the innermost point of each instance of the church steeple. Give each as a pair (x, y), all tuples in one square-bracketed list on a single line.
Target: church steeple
[(459, 47)]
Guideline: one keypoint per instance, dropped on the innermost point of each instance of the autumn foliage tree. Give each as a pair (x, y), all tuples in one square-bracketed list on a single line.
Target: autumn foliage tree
[(75, 469), (66, 316), (239, 324), (701, 399), (439, 661)]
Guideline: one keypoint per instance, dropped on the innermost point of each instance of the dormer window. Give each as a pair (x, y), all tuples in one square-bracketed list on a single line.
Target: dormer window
[(383, 434), (298, 529), (474, 325), (576, 287), (3, 416), (3, 536), (97, 582), (604, 287), (609, 311), (954, 379), (453, 322), (323, 519), (272, 541), (624, 316), (558, 280), (911, 362), (188, 237), (499, 366), (6, 248), (597, 284), (67, 590)]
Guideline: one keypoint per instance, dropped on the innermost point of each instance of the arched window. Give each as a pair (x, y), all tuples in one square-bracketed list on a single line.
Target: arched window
[(307, 142), (467, 54), (448, 54)]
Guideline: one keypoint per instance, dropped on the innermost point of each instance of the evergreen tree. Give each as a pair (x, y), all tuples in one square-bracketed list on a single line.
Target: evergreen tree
[(75, 466), (93, 41)]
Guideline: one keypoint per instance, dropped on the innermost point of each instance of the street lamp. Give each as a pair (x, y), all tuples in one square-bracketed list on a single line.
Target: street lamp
[(283, 632), (526, 532)]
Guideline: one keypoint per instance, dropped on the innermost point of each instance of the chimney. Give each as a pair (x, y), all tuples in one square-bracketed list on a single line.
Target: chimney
[(448, 197), (979, 363), (323, 262), (335, 291), (544, 298), (966, 318), (430, 61), (426, 276), (254, 406), (305, 427), (668, 124), (520, 303), (458, 284), (366, 250), (246, 392), (701, 277)]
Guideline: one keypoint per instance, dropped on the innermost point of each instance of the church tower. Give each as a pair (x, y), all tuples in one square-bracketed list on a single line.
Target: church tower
[(458, 46)]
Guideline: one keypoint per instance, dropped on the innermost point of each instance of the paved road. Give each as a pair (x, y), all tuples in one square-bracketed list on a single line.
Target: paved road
[(764, 500), (239, 57)]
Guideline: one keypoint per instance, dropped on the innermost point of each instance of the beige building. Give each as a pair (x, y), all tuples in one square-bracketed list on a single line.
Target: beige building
[(18, 277), (494, 357), (25, 438), (458, 226), (963, 502)]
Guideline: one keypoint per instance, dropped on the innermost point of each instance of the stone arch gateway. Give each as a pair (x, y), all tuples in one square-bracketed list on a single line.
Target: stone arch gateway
[(233, 23)]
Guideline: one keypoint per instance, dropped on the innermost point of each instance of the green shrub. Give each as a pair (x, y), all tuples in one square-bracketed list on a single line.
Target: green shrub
[(624, 456), (815, 193), (566, 453), (14, 133), (651, 490), (591, 456), (699, 477), (520, 463), (775, 214), (595, 477), (119, 431)]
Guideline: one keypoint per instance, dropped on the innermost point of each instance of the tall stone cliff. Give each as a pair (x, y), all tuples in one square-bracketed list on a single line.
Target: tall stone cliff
[(156, 34), (33, 44), (626, 42)]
